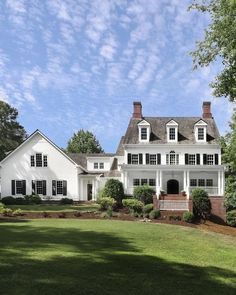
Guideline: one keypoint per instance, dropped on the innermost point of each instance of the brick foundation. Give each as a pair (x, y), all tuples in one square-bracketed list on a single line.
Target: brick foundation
[(217, 208)]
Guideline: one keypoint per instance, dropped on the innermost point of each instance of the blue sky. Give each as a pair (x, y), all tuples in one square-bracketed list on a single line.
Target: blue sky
[(72, 64)]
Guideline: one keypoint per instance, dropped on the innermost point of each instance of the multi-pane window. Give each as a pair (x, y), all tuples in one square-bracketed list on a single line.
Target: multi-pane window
[(136, 182), (45, 161), (143, 133), (210, 159), (39, 161), (59, 187), (144, 181), (19, 187), (152, 182), (152, 159), (101, 165), (200, 134), (134, 159), (193, 182), (201, 182), (209, 182), (172, 133), (32, 162), (191, 159), (95, 165), (172, 158), (39, 187)]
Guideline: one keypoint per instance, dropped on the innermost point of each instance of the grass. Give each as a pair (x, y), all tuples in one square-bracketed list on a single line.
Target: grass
[(54, 207), (113, 257)]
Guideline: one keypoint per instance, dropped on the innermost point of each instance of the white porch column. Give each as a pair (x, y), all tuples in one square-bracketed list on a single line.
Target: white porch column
[(219, 183), (157, 183), (223, 182), (187, 183), (126, 181), (161, 185)]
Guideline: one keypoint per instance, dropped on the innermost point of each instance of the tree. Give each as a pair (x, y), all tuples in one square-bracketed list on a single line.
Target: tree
[(84, 142), (201, 203), (114, 189), (12, 133), (144, 194), (219, 44)]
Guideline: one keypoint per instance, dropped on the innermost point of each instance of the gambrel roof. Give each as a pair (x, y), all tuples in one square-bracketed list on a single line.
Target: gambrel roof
[(158, 130)]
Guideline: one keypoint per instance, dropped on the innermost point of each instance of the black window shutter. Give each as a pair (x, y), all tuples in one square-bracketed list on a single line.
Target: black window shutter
[(44, 187), (54, 183), (13, 186), (158, 159), (129, 158), (204, 159), (198, 159), (33, 187), (140, 158), (186, 159), (64, 187), (147, 159), (23, 187), (216, 159)]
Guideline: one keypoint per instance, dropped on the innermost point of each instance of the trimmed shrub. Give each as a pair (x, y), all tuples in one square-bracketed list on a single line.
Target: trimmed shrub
[(175, 217), (231, 218), (33, 199), (20, 201), (188, 217), (144, 194), (133, 205), (201, 203), (113, 189), (154, 214), (147, 208), (18, 212), (106, 203), (7, 212), (8, 200), (66, 201)]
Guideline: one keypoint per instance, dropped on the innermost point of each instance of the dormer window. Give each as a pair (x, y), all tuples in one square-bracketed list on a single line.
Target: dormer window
[(144, 131), (172, 131), (200, 131)]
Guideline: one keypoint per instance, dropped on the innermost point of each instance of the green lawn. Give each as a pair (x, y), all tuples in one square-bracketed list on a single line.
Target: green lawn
[(55, 208), (54, 256)]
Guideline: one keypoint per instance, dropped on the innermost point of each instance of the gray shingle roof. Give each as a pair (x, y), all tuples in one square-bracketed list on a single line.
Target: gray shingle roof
[(158, 130)]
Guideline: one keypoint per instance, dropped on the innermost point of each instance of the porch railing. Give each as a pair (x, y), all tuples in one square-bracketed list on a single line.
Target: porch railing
[(173, 205), (212, 191)]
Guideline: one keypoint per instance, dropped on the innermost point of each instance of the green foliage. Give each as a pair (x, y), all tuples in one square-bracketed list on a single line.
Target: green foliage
[(18, 212), (11, 132), (7, 211), (144, 193), (147, 208), (106, 203), (9, 200), (154, 214), (133, 205), (188, 217), (1, 207), (230, 193), (231, 218), (114, 189), (84, 142), (20, 201), (66, 201), (32, 199), (219, 44), (201, 203)]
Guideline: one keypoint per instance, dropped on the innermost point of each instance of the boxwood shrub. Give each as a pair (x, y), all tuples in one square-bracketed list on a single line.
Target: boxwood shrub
[(154, 214), (9, 200), (133, 205), (144, 194), (231, 218), (106, 203), (66, 201), (188, 217)]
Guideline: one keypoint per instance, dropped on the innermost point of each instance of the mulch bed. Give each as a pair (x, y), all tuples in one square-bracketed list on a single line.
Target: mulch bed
[(122, 215)]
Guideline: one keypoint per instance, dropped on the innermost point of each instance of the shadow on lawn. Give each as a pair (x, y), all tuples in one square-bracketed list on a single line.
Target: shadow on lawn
[(97, 263)]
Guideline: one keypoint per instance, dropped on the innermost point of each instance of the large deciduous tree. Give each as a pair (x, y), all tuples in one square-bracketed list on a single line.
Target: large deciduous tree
[(11, 132), (219, 43), (84, 142)]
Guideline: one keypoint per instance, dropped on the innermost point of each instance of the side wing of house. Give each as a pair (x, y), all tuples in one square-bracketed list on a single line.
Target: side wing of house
[(38, 166)]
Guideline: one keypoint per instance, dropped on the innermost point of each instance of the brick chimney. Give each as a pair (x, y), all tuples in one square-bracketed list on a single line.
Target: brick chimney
[(206, 110), (137, 114)]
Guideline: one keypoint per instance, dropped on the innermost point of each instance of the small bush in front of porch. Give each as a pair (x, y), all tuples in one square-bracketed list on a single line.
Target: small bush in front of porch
[(106, 203), (32, 199), (201, 203), (114, 189), (154, 214), (66, 201), (147, 208), (231, 218), (144, 194), (9, 200), (188, 217), (133, 205)]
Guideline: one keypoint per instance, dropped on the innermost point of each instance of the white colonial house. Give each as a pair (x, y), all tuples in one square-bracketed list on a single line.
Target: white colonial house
[(174, 155)]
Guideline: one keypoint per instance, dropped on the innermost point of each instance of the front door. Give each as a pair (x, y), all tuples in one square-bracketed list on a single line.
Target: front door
[(89, 191), (172, 186)]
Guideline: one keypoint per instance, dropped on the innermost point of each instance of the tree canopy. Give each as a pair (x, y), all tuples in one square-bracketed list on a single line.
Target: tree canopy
[(84, 142), (219, 43), (11, 132)]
